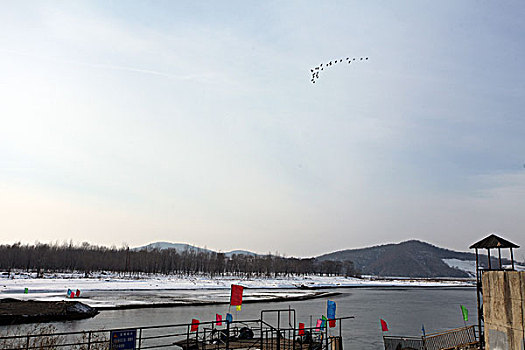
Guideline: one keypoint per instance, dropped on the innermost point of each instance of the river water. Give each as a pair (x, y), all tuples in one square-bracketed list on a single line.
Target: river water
[(404, 309)]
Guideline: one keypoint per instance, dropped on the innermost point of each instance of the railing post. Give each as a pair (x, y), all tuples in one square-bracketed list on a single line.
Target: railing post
[(261, 334), (27, 342), (188, 336), (197, 338), (278, 330), (89, 340), (293, 336), (140, 339), (227, 335)]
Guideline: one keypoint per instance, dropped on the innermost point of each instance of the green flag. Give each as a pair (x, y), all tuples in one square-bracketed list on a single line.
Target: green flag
[(464, 311), (324, 319)]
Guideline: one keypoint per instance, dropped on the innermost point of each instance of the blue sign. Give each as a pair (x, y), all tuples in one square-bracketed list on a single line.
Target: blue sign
[(123, 340)]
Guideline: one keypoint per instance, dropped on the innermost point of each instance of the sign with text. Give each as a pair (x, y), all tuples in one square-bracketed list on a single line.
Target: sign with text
[(123, 340)]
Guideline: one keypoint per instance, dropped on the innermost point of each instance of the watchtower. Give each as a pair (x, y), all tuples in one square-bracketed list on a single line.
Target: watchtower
[(490, 264)]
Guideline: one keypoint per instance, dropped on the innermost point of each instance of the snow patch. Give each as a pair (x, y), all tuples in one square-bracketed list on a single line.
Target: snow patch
[(469, 266), (110, 289)]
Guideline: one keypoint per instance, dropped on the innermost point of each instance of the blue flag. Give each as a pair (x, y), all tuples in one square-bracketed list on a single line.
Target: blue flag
[(423, 329), (330, 309), (229, 318)]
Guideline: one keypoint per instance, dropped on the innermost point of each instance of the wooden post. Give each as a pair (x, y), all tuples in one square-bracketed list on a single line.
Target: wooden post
[(499, 257), (488, 253)]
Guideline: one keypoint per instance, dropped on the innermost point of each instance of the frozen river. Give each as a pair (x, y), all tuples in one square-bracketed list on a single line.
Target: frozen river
[(405, 309)]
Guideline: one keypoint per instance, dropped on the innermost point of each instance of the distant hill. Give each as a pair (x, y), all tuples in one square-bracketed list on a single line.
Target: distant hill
[(406, 259), (409, 259), (181, 247)]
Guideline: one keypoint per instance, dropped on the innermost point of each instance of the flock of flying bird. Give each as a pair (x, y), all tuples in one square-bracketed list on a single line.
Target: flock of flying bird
[(315, 71)]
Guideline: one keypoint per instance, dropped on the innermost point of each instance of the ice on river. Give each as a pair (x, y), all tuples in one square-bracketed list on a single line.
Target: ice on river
[(108, 290)]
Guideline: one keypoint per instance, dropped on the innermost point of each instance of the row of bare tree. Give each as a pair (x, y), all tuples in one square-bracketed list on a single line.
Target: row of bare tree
[(87, 258)]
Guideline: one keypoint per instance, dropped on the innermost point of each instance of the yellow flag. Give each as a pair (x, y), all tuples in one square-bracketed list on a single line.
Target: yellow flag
[(238, 308)]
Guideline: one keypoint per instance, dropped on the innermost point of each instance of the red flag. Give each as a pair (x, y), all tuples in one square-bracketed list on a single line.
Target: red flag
[(194, 325), (78, 293), (384, 327), (218, 320), (301, 328), (236, 296), (331, 323)]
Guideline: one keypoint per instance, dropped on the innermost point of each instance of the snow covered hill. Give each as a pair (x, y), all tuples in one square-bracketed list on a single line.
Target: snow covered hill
[(182, 247)]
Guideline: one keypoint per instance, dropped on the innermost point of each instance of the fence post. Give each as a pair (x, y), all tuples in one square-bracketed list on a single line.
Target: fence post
[(227, 335), (140, 338), (261, 334), (293, 337), (279, 330), (188, 336), (197, 338), (89, 340), (27, 342)]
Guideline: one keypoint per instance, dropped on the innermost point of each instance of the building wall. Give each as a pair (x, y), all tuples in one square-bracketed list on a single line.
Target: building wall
[(503, 310)]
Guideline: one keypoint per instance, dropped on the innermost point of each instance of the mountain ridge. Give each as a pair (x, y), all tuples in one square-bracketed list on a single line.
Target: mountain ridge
[(411, 258)]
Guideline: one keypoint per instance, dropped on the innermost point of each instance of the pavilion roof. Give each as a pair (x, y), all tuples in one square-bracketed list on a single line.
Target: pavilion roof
[(493, 241)]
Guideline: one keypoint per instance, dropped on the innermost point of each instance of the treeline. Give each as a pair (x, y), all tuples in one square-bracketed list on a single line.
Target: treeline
[(89, 258)]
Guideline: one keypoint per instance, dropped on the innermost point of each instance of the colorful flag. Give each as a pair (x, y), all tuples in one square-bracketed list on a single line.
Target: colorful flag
[(464, 311), (194, 325), (26, 291), (301, 328), (423, 330), (77, 293), (236, 295), (330, 309), (218, 320), (384, 326), (69, 291), (318, 326), (238, 308), (229, 318), (323, 324), (331, 323)]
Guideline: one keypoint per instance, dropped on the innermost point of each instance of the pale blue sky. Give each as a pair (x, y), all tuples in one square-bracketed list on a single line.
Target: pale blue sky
[(196, 122)]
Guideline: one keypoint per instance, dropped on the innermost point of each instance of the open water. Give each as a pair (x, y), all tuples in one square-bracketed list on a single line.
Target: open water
[(404, 309)]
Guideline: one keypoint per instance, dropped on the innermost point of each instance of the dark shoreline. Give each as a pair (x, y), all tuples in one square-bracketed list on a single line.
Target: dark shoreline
[(14, 311)]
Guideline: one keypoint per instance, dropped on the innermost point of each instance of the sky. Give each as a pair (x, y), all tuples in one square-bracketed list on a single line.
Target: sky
[(130, 122)]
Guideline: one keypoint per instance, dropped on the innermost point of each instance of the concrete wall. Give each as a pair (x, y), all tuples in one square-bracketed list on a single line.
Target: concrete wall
[(503, 310)]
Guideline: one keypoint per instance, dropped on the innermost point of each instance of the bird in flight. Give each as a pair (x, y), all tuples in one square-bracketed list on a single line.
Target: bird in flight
[(315, 71)]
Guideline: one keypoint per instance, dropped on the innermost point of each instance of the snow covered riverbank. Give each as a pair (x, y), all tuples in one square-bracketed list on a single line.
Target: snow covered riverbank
[(110, 290)]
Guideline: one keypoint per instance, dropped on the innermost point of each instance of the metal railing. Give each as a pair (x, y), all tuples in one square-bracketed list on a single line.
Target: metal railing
[(397, 342), (247, 334), (450, 339)]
